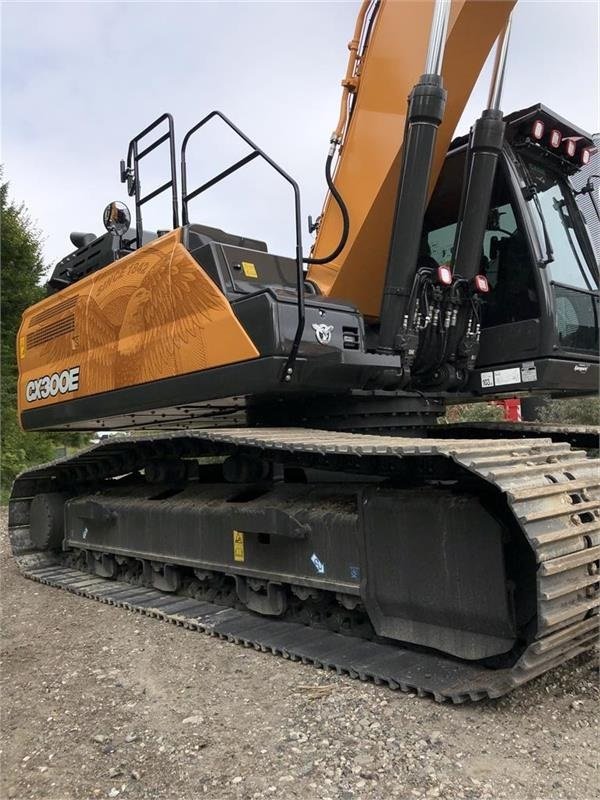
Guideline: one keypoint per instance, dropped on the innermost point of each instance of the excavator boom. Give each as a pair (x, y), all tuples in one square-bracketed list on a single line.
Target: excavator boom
[(368, 170)]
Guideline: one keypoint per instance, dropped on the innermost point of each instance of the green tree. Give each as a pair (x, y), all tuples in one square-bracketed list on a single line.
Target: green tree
[(21, 271), (474, 412), (574, 411)]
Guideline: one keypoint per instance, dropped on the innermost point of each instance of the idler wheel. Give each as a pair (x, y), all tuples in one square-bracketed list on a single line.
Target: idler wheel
[(47, 520)]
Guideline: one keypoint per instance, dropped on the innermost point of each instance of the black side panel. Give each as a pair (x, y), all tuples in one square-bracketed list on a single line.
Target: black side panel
[(204, 233), (208, 257), (434, 571), (259, 316), (252, 269), (559, 376), (271, 324), (515, 340), (283, 525)]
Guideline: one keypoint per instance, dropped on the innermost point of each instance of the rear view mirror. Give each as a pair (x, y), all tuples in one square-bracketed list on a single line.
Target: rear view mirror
[(117, 218)]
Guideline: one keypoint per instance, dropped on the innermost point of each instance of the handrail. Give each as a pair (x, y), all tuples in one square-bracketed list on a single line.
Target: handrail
[(256, 152), (131, 173)]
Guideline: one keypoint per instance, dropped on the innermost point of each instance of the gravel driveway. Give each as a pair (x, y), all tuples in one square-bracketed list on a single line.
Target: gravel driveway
[(98, 702)]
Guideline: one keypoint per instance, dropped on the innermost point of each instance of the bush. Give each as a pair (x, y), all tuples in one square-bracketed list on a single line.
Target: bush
[(474, 412), (575, 411)]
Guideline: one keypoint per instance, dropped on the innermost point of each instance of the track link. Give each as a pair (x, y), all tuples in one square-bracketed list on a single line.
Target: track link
[(552, 491), (584, 436)]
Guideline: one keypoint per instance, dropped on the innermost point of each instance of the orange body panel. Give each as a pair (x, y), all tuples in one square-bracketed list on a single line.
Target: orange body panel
[(150, 315), (369, 167)]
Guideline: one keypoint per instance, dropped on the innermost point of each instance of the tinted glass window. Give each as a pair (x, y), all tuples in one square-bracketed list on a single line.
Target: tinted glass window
[(576, 319), (505, 258), (569, 265)]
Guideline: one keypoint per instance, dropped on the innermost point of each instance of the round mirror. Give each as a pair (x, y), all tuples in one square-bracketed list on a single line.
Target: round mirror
[(117, 218)]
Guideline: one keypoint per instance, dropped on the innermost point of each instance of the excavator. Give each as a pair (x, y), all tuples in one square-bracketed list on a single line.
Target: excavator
[(270, 467)]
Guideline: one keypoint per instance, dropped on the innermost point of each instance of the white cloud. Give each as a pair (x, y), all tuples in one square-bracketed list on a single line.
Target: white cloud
[(79, 79)]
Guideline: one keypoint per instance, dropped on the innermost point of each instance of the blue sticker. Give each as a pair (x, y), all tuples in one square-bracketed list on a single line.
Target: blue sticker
[(318, 564), (355, 573)]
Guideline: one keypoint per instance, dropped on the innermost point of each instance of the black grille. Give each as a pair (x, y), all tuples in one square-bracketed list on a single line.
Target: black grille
[(351, 338)]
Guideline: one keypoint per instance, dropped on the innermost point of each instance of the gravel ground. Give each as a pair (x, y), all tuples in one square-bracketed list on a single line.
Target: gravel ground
[(101, 703)]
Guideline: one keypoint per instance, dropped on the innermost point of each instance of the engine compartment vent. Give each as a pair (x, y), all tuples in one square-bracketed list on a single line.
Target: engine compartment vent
[(52, 312), (57, 328)]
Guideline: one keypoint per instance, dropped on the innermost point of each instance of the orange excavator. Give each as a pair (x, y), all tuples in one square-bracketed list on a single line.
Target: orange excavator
[(283, 480)]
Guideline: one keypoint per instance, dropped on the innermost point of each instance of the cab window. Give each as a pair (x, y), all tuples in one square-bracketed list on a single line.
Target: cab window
[(505, 258)]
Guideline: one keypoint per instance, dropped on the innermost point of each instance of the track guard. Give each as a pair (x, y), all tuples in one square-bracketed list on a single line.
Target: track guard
[(264, 597), (434, 571), (101, 564), (164, 577)]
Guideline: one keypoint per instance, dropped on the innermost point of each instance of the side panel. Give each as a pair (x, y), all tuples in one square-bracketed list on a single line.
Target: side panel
[(153, 314), (369, 167)]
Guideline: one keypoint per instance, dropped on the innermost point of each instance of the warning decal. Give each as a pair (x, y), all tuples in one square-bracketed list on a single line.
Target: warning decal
[(249, 269), (528, 372), (238, 546), (504, 377)]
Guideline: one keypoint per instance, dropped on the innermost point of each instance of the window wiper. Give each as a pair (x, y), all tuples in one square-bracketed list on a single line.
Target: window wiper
[(530, 193), (561, 208)]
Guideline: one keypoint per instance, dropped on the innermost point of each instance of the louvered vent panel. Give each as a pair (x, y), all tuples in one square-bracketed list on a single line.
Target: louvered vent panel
[(52, 312), (48, 332)]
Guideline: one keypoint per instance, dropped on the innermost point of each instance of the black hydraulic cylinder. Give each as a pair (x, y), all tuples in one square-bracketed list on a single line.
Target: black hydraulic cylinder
[(425, 112), (487, 137)]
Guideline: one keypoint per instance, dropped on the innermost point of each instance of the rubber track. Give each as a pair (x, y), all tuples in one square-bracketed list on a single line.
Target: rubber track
[(551, 490)]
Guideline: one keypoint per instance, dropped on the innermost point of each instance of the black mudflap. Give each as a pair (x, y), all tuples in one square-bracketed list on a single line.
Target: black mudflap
[(435, 571)]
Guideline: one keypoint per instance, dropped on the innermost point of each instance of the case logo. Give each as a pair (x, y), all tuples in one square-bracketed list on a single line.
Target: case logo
[(51, 385), (322, 332)]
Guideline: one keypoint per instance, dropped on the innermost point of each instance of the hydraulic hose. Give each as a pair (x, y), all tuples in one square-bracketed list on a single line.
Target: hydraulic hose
[(357, 46), (343, 210)]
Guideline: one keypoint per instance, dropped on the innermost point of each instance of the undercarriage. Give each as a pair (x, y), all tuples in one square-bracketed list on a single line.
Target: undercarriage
[(454, 567)]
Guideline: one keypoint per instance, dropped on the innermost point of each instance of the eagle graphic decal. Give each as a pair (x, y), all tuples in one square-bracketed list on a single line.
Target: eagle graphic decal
[(150, 315)]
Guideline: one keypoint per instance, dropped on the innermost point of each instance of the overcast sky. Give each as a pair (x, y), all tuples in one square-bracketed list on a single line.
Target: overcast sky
[(80, 79)]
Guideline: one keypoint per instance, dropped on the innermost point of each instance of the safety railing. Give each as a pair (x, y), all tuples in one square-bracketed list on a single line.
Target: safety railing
[(130, 172), (256, 152)]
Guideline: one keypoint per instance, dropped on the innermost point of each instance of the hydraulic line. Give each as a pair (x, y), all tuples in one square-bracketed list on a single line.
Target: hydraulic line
[(343, 210), (350, 81), (357, 47)]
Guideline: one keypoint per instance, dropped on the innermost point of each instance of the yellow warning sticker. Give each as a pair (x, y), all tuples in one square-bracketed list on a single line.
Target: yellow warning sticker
[(22, 346), (249, 269), (238, 546)]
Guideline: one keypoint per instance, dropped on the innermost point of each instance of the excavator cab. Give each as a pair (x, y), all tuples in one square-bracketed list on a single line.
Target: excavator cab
[(540, 316)]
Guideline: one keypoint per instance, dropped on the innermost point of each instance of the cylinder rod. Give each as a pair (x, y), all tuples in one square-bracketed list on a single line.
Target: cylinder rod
[(499, 70), (437, 37)]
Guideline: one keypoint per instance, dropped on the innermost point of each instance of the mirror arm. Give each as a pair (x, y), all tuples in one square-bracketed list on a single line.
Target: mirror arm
[(116, 243)]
